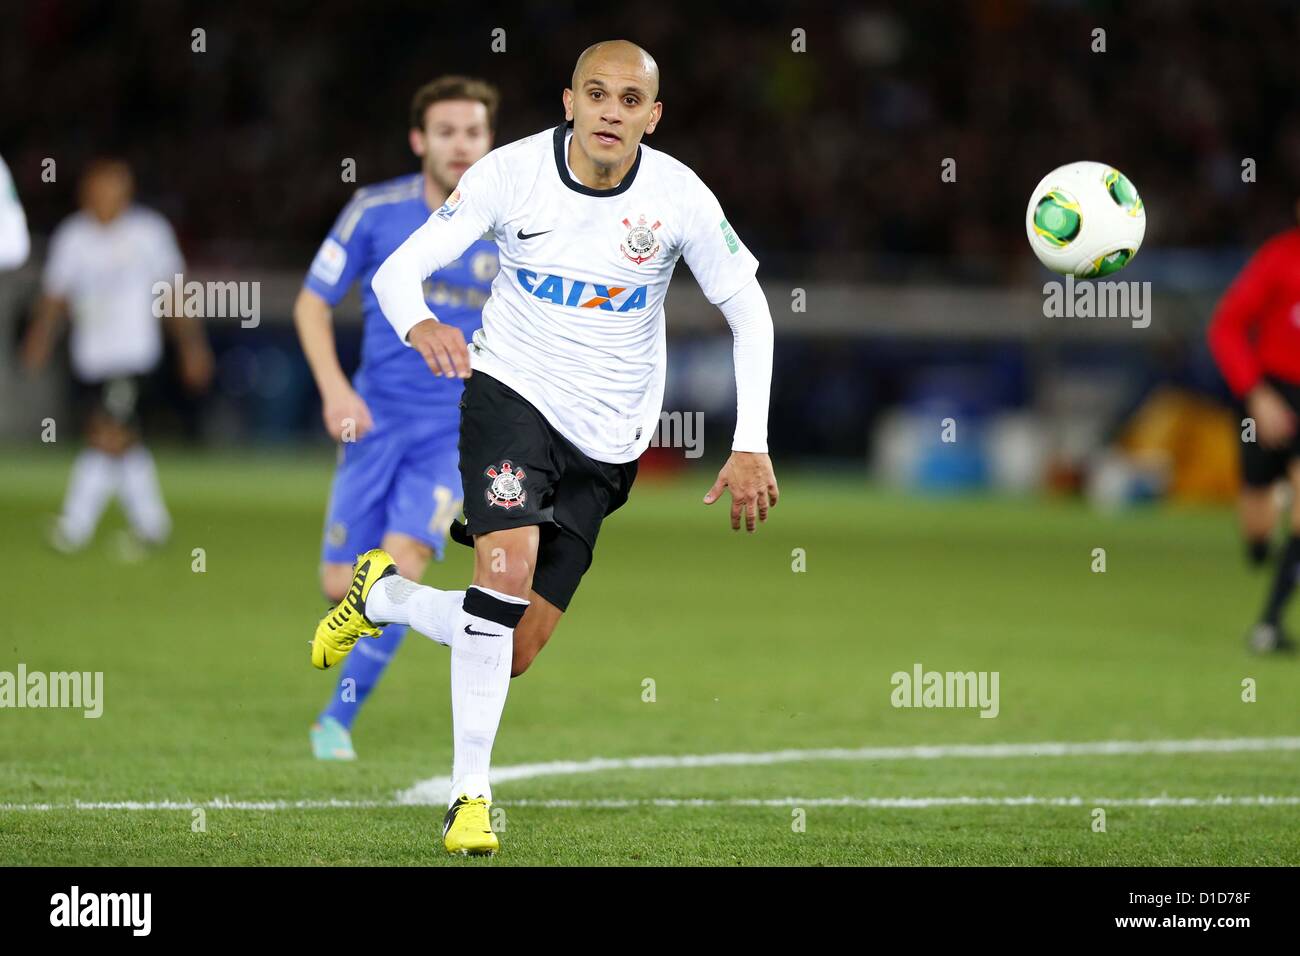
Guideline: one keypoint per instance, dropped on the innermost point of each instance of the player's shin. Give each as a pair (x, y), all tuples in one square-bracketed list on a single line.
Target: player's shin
[(432, 612), (1284, 581), (94, 480), (361, 672), (142, 496), (482, 645)]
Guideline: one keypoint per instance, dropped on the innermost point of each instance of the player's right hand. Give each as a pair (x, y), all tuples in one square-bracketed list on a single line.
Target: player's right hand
[(443, 348), (1274, 420), (35, 350), (346, 415)]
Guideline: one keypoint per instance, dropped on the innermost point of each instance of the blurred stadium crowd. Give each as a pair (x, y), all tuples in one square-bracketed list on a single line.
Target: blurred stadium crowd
[(829, 160)]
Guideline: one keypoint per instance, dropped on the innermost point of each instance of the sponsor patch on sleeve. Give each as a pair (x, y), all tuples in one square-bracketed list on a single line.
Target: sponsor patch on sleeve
[(730, 236), (448, 209), (330, 261)]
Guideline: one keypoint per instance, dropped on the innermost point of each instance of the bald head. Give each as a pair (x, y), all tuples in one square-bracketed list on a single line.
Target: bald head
[(618, 58), (611, 105)]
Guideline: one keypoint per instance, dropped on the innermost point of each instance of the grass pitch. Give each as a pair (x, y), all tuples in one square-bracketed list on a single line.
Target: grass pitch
[(208, 690)]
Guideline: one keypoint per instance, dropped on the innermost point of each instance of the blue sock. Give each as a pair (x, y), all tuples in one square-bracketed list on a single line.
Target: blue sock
[(363, 667)]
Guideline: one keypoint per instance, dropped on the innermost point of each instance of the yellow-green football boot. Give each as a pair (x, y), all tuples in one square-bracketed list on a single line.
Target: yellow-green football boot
[(467, 828), (339, 630)]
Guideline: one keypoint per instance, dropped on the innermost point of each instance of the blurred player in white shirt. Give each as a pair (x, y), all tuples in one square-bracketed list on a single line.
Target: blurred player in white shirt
[(14, 241), (102, 266)]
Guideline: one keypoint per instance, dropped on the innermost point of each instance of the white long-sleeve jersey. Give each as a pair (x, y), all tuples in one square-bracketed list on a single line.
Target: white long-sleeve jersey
[(575, 319)]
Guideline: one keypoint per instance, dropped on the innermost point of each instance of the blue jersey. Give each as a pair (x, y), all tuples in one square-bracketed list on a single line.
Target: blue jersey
[(393, 378)]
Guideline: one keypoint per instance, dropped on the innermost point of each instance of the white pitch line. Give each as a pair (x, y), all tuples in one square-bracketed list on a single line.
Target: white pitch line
[(876, 803), (435, 789), (916, 803), (433, 792), (220, 803)]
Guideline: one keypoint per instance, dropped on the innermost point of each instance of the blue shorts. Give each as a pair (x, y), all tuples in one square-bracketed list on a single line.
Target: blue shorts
[(402, 476)]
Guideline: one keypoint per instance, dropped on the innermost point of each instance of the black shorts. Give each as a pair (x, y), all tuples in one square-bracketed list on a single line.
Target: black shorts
[(1261, 466), (117, 399), (517, 470)]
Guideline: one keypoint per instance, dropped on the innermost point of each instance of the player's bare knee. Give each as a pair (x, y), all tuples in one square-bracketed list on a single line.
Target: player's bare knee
[(513, 579), (504, 561), (99, 442), (106, 435), (410, 555), (334, 580)]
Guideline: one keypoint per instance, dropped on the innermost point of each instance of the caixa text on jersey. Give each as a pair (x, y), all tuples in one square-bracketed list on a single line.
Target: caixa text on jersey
[(582, 295)]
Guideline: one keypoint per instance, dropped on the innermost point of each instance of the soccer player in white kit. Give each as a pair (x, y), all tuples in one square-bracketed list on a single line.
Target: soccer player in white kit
[(102, 266), (14, 241), (567, 385)]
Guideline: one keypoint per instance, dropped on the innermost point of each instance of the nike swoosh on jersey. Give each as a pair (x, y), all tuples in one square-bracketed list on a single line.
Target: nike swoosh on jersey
[(528, 235)]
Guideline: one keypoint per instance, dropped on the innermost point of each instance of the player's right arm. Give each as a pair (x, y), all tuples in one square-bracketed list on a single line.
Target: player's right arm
[(471, 210), (314, 319), (43, 331), (1234, 322), (61, 270), (336, 266)]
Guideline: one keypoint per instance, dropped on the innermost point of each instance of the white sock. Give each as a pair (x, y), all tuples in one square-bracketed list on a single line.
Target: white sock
[(396, 600), (142, 497), (483, 640), (94, 479)]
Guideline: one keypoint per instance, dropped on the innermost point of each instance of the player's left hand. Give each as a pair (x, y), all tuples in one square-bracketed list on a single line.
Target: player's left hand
[(752, 482), (196, 367)]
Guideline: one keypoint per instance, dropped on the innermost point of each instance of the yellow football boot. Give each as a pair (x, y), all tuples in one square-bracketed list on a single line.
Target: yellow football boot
[(339, 630), (467, 829)]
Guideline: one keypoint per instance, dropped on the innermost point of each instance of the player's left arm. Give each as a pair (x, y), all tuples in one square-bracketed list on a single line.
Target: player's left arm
[(748, 473), (192, 348), (725, 270)]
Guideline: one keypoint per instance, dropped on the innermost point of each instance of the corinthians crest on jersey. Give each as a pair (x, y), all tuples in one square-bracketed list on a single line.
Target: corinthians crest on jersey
[(641, 243), (507, 488)]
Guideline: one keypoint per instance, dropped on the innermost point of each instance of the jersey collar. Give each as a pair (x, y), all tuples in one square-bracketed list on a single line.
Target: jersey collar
[(562, 168)]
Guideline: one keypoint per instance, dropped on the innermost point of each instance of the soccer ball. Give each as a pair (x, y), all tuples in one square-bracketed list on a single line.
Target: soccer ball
[(1085, 220)]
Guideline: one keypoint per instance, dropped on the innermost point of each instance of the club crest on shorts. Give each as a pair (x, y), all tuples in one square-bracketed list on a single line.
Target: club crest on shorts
[(507, 488), (640, 243)]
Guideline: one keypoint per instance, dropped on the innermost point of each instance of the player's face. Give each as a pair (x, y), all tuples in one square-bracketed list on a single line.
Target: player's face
[(612, 109), (106, 193), (456, 135)]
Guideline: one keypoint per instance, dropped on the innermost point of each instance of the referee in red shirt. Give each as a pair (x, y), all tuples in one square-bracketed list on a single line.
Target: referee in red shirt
[(1255, 338)]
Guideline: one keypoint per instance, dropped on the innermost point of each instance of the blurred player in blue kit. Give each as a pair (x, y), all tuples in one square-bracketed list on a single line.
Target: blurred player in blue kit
[(397, 485)]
